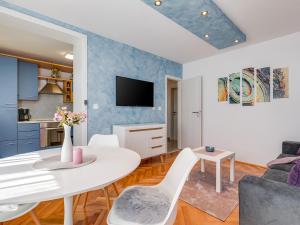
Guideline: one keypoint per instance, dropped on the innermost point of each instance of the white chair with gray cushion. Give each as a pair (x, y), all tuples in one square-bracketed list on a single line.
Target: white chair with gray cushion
[(100, 141), (154, 205), (13, 211)]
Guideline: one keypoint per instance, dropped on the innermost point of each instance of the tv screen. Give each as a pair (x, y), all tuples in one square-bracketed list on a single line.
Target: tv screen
[(131, 92)]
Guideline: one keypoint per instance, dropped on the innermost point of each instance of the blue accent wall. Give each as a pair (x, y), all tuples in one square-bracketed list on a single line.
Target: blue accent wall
[(221, 30), (106, 60)]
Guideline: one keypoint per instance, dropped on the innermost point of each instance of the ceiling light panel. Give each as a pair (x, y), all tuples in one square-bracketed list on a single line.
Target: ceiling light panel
[(188, 14)]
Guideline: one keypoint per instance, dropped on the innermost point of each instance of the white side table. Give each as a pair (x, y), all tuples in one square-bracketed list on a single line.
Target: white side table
[(217, 156)]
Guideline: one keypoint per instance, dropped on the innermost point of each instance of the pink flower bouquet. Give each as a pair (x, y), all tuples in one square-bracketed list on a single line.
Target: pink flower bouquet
[(65, 117)]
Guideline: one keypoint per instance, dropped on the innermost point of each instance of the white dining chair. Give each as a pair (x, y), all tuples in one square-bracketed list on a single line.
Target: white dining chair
[(157, 205), (99, 140), (10, 212)]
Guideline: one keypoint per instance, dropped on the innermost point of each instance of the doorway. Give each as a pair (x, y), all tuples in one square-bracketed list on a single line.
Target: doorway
[(59, 33), (172, 115)]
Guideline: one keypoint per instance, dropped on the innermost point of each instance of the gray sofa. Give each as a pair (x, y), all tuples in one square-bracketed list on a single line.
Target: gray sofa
[(269, 200)]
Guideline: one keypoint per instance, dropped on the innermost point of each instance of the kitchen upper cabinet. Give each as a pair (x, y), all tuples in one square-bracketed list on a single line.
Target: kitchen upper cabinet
[(9, 83), (27, 81)]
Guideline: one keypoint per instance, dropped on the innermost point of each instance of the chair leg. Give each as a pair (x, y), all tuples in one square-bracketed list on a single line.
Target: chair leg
[(115, 188), (162, 158), (34, 218), (100, 218), (107, 198), (85, 199), (76, 203)]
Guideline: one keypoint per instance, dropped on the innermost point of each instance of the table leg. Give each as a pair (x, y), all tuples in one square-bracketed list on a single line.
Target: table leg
[(202, 165), (232, 169), (218, 177), (68, 210)]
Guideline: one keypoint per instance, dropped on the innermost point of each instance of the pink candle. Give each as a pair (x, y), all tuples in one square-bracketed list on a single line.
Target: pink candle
[(77, 156)]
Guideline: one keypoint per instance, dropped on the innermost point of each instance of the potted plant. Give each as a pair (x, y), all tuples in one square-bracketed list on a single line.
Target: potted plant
[(67, 120), (55, 72)]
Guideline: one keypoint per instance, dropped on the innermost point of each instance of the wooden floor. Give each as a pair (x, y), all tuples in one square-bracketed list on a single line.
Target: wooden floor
[(150, 172)]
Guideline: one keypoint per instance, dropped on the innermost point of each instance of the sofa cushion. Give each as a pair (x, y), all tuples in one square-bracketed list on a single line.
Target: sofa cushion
[(294, 175), (283, 167), (276, 175)]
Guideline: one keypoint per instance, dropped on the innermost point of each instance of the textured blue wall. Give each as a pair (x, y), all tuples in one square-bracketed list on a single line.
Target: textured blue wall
[(221, 30), (106, 60)]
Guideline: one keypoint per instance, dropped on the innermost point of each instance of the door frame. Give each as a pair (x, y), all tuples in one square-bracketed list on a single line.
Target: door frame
[(178, 80), (79, 42)]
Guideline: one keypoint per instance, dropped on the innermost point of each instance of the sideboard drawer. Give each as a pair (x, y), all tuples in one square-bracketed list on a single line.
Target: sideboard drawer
[(28, 145), (156, 150), (156, 140), (8, 148)]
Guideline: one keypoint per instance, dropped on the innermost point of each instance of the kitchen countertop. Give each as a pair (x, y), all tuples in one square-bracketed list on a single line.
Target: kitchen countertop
[(39, 121)]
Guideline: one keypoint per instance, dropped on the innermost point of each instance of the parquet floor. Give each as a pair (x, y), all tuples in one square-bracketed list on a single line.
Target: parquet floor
[(150, 172)]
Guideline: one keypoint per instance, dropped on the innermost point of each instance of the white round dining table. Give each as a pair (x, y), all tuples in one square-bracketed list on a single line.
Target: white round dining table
[(20, 183)]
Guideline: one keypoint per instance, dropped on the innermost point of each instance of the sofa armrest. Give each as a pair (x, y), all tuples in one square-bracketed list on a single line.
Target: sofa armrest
[(290, 147), (267, 202)]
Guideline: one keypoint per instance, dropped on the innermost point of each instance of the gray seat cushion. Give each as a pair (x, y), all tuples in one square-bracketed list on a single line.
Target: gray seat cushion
[(276, 175), (283, 167), (140, 205)]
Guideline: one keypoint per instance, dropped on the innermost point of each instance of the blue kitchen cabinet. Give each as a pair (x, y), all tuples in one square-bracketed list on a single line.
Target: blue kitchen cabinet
[(27, 81), (8, 123), (9, 82), (28, 145), (8, 106), (8, 148), (28, 137)]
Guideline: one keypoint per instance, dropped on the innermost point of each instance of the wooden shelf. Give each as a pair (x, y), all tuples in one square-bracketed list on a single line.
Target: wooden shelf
[(55, 79), (68, 90), (42, 64)]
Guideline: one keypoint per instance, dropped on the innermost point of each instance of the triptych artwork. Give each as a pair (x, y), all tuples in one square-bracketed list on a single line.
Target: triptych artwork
[(253, 86)]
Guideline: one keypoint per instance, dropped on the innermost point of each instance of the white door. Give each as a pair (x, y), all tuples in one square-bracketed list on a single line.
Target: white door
[(191, 113)]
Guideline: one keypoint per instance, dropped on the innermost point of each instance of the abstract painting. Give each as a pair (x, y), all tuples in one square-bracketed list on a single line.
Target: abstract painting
[(234, 88), (263, 84), (248, 87), (222, 89), (281, 83)]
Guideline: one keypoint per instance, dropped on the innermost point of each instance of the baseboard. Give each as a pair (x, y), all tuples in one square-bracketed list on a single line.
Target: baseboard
[(252, 164)]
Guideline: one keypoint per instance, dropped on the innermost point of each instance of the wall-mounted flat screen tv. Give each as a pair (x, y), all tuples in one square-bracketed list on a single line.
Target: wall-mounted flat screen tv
[(131, 92)]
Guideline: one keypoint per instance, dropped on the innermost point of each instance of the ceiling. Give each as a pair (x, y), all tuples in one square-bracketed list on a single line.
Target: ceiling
[(137, 24), (214, 27), (15, 40)]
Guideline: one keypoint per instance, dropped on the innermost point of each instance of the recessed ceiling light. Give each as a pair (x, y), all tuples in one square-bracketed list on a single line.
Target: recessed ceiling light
[(157, 3), (69, 56), (204, 13), (206, 36), (236, 41)]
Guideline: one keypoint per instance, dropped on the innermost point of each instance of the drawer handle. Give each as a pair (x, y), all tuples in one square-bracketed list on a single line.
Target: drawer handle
[(158, 146), (146, 129), (11, 143), (159, 137), (29, 143)]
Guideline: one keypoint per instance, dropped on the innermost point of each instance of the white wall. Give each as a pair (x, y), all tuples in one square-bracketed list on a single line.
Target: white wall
[(254, 133)]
